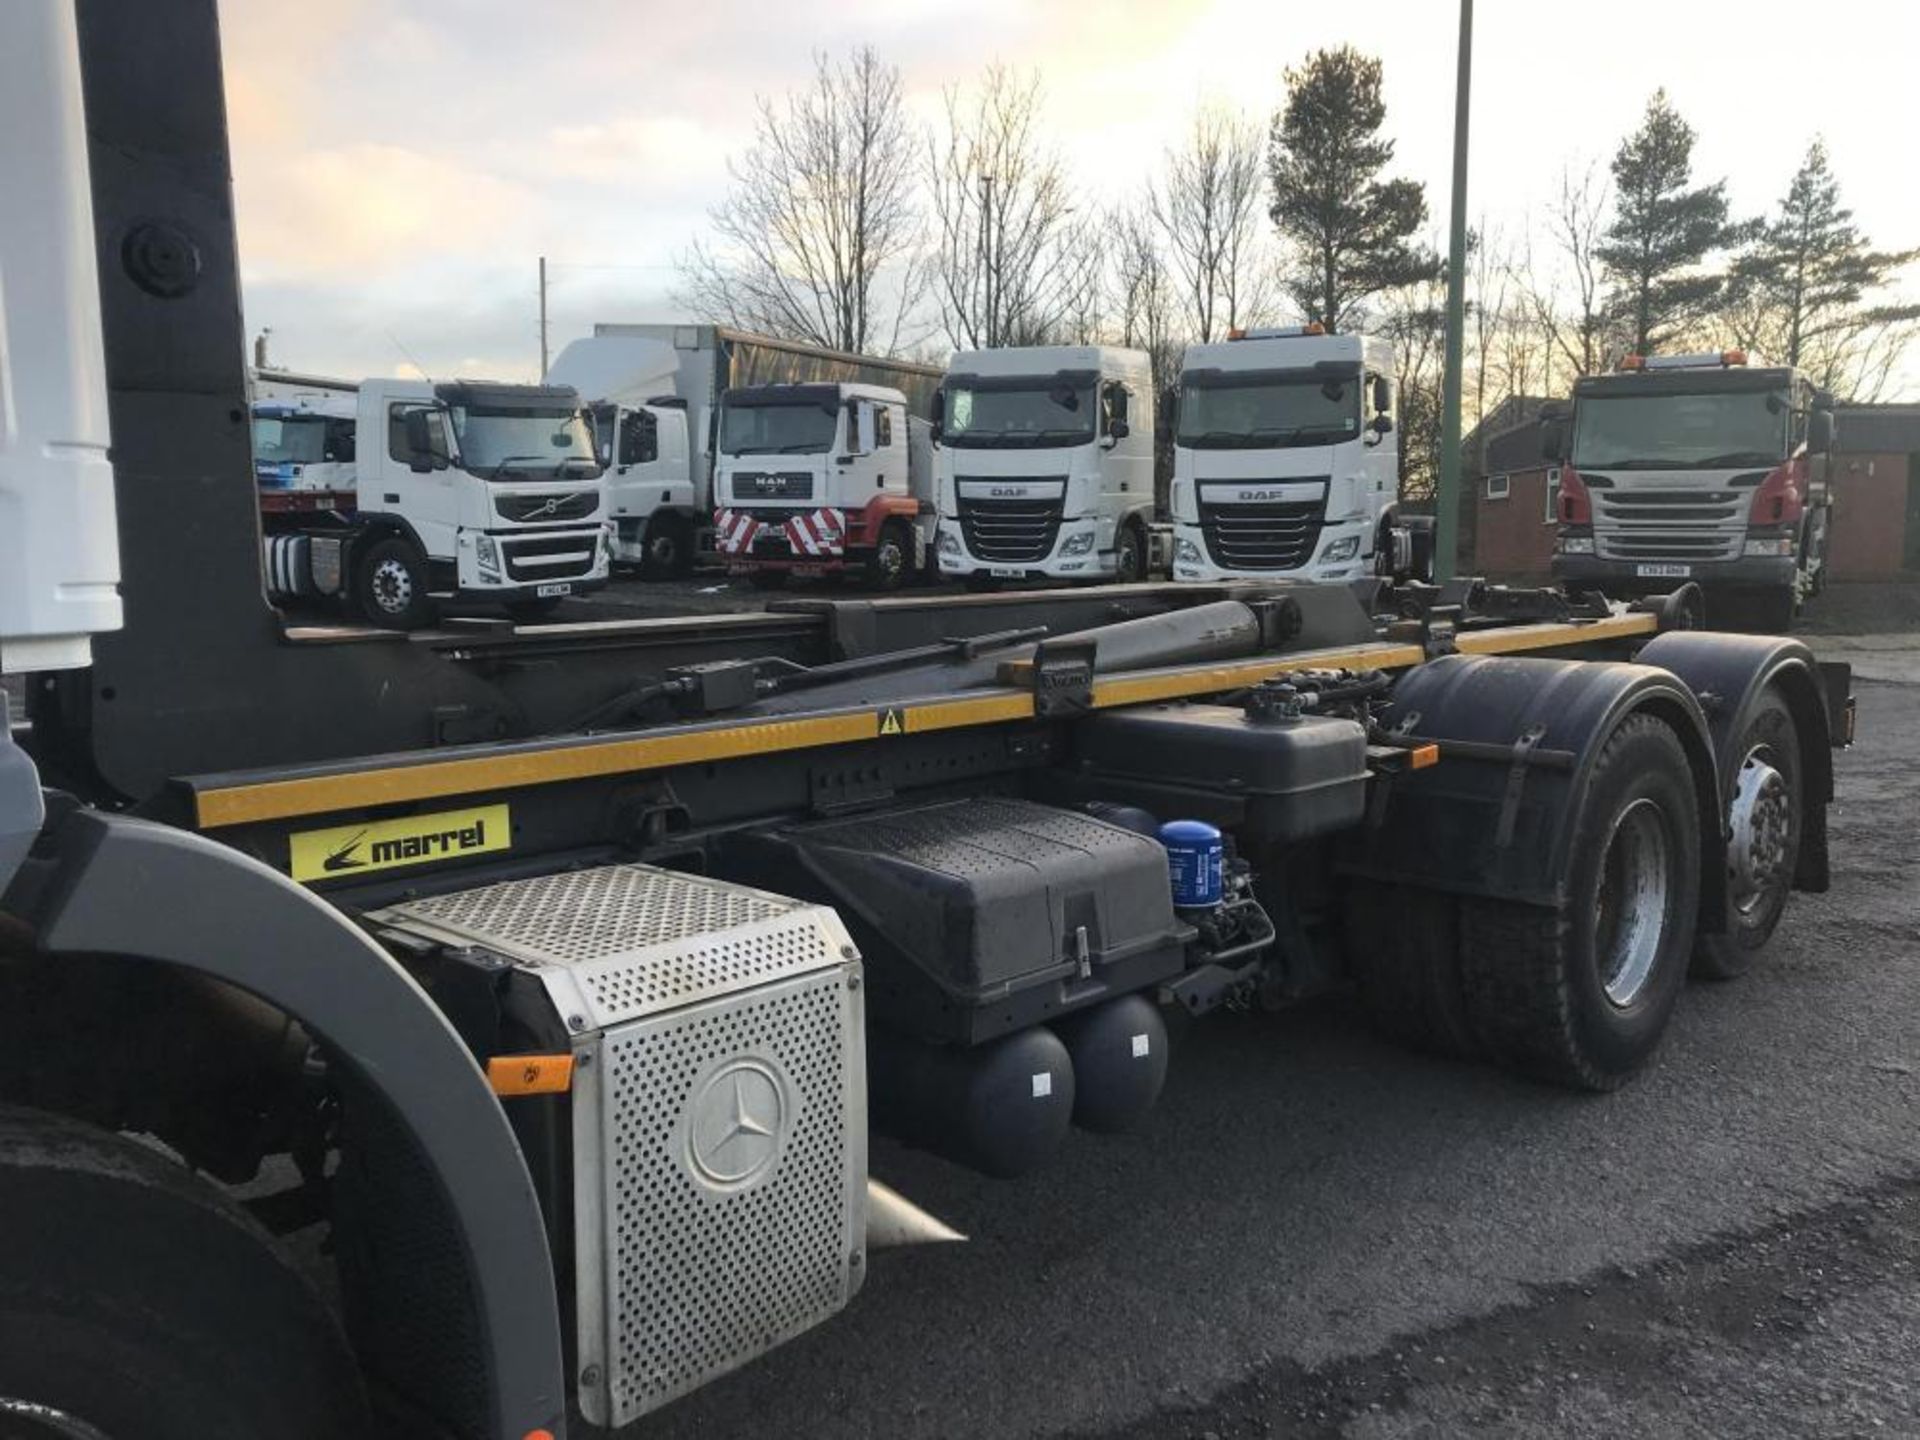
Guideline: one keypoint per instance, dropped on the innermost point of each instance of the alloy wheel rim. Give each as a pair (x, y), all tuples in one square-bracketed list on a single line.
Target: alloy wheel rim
[(1630, 908)]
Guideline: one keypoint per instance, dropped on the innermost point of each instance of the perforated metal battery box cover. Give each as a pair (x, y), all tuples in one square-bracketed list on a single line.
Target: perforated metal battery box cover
[(719, 1111)]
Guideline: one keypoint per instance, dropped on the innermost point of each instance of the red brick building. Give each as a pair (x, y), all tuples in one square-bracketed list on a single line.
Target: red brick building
[(1876, 483)]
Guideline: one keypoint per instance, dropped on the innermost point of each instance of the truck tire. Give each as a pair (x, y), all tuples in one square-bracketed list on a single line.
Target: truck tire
[(1763, 845), (668, 548), (1404, 949), (138, 1303), (1129, 555), (1581, 993), (891, 564), (390, 585)]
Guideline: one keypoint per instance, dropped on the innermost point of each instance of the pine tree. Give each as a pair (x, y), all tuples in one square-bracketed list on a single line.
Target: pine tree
[(1353, 230), (1804, 277), (1663, 229)]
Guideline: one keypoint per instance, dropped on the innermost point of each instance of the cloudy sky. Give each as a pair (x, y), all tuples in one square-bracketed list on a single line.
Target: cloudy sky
[(401, 165)]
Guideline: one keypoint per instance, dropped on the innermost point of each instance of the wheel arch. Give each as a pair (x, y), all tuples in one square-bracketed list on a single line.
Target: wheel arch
[(1729, 674), (114, 889), (1519, 738)]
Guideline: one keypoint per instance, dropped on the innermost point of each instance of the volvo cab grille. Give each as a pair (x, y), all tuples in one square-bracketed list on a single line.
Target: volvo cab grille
[(1261, 525), (1646, 518), (534, 558), (719, 1111), (546, 509), (1010, 521)]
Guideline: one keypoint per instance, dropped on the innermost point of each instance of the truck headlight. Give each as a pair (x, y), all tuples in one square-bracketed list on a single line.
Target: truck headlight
[(1185, 552), (1078, 544), (1344, 548), (487, 552), (948, 543), (1780, 545), (1575, 545)]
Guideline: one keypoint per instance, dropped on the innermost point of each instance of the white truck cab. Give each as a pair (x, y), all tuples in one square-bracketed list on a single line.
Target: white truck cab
[(822, 479), (1045, 463), (1285, 463), (461, 492)]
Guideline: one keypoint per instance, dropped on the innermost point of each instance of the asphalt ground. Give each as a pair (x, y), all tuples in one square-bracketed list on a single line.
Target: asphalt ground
[(1318, 1234)]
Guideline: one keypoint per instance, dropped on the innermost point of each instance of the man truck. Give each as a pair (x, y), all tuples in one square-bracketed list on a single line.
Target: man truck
[(548, 980), (1701, 468), (655, 393), (1285, 461), (822, 480), (408, 496), (1045, 464)]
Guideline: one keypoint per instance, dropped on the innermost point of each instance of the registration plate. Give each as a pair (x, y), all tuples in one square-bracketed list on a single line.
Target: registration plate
[(1663, 572), (1008, 572), (547, 592)]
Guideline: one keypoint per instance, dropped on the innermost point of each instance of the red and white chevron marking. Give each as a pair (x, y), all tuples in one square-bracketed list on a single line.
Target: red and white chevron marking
[(734, 531), (820, 533)]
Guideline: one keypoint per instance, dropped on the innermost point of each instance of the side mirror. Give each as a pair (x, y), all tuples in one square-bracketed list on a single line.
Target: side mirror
[(1119, 429), (1167, 415), (1819, 432), (1381, 425), (937, 420), (1553, 432), (421, 458), (1382, 396)]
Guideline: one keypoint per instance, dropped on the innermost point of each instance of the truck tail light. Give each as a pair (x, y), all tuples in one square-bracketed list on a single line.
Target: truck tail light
[(1576, 505), (1779, 500)]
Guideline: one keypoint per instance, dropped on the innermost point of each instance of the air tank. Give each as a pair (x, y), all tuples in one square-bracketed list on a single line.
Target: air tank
[(1119, 1054), (1001, 1108)]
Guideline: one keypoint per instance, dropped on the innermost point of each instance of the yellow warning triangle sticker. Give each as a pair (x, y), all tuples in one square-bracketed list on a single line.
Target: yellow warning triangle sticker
[(891, 723)]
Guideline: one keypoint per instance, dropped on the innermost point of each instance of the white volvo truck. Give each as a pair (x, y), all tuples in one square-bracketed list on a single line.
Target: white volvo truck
[(411, 495), (1285, 463), (823, 480), (1045, 464)]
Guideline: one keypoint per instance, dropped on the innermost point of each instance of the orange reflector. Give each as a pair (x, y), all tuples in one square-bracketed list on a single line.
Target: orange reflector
[(1238, 332), (538, 1435), (1633, 362), (530, 1074), (1313, 327), (1733, 357), (1421, 756)]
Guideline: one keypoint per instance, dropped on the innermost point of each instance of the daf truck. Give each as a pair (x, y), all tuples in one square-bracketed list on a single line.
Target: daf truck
[(655, 393), (548, 982), (1285, 460), (1702, 468), (823, 480), (1044, 457), (411, 496)]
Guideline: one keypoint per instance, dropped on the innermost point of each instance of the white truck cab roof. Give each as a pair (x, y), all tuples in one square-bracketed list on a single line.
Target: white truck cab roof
[(1108, 360), (1264, 350)]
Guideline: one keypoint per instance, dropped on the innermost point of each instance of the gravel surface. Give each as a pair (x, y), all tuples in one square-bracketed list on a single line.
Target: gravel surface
[(1312, 1222)]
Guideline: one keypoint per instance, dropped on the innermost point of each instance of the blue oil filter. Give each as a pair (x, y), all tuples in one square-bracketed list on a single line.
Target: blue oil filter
[(1196, 860)]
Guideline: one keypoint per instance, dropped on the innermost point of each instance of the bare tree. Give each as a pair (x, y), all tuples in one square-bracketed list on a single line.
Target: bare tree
[(821, 206), (1144, 302), (1014, 263), (1210, 206), (1574, 317)]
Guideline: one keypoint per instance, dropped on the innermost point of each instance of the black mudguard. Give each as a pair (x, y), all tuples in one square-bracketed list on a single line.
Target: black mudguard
[(1518, 740)]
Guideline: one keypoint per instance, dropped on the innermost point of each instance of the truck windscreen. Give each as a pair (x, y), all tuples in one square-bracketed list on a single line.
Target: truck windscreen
[(498, 443), (777, 429), (291, 440), (1679, 431), (1222, 410), (1014, 415)]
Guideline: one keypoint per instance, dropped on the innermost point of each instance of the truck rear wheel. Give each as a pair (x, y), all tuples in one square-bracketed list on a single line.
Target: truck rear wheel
[(137, 1303), (1763, 840), (1580, 994), (390, 584)]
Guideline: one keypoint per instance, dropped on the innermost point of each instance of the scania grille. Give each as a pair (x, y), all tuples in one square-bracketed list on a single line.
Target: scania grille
[(1010, 532), (1647, 524), (1280, 535), (546, 509), (534, 558)]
